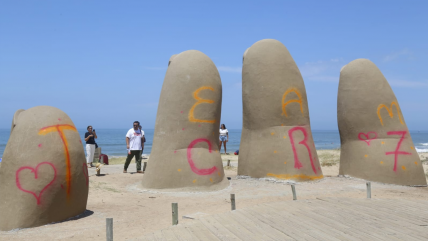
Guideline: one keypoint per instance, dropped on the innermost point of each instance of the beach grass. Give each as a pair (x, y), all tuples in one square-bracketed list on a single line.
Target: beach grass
[(329, 158), (117, 160), (231, 168)]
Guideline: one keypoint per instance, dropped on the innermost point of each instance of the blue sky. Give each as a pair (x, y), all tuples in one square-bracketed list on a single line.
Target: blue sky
[(103, 62)]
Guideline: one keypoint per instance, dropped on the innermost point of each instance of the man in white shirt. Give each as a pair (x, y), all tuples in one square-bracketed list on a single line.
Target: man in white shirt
[(134, 145)]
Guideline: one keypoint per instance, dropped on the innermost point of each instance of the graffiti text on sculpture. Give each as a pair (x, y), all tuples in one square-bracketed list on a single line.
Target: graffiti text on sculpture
[(371, 135), (389, 109), (200, 101), (299, 100), (196, 170), (397, 149), (60, 129), (297, 163), (35, 171)]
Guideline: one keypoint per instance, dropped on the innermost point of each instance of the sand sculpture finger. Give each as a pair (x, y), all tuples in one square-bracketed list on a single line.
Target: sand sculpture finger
[(185, 145), (276, 137), (43, 176), (375, 142)]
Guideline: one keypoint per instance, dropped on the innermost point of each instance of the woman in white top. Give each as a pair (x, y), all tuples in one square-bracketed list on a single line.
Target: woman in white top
[(224, 136)]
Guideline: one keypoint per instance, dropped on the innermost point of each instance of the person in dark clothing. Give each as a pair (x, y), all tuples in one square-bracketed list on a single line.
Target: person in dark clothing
[(90, 137)]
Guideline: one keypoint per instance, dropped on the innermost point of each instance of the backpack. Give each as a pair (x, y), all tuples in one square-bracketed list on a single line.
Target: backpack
[(104, 159)]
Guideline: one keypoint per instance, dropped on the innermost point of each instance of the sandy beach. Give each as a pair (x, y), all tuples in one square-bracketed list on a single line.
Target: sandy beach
[(137, 212)]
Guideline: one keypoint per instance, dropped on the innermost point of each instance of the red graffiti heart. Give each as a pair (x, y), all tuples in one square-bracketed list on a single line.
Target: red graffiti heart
[(35, 171), (85, 172), (367, 138)]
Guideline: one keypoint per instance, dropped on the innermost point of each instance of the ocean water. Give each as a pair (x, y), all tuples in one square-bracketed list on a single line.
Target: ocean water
[(112, 141)]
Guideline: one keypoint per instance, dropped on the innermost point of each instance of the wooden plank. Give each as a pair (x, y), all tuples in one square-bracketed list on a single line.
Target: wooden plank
[(272, 232), (379, 221), (182, 233), (395, 223), (401, 205), (289, 226), (218, 229), (256, 225), (359, 226), (418, 202), (234, 227), (310, 219), (286, 232), (280, 206), (362, 221), (201, 232), (389, 206), (405, 209), (258, 233), (384, 211), (322, 219), (169, 235), (398, 222), (304, 224), (348, 230), (285, 226), (266, 221)]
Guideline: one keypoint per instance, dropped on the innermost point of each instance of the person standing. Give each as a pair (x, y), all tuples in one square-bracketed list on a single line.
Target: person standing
[(90, 137), (134, 145), (224, 136)]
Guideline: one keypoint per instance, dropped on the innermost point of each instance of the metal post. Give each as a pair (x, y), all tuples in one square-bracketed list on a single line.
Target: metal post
[(174, 213), (369, 189), (144, 166), (293, 189), (232, 201), (109, 229)]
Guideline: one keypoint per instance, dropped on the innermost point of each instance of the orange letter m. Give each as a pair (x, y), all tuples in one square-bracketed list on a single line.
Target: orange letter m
[(391, 114)]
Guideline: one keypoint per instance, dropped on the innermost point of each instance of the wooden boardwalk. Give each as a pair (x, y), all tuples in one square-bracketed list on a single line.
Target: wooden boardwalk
[(319, 219)]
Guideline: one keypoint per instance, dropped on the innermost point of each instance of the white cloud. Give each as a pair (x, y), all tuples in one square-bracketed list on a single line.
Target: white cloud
[(230, 69), (395, 55)]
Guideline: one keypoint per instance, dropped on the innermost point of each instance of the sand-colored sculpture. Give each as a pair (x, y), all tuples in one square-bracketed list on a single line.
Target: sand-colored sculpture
[(375, 142), (171, 58), (276, 138), (185, 145), (43, 176)]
